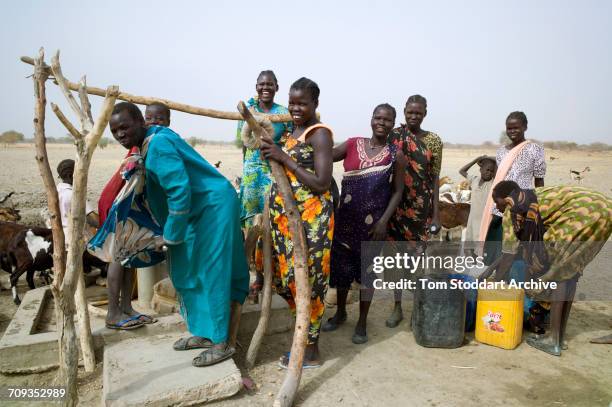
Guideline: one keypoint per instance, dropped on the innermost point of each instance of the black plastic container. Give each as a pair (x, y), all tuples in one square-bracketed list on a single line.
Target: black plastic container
[(438, 314)]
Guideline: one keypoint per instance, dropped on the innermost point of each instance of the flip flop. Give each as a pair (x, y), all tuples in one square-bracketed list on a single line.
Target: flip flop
[(123, 325), (145, 319), (284, 363), (333, 323), (545, 345), (359, 339), (212, 356), (604, 340), (192, 342)]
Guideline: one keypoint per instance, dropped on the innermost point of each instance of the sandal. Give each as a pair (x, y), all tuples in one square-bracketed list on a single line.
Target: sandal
[(284, 362), (359, 339), (544, 344), (333, 323), (192, 342), (213, 355), (607, 339), (145, 319), (126, 324)]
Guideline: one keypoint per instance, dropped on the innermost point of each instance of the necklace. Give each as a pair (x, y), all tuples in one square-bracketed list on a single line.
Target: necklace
[(373, 147)]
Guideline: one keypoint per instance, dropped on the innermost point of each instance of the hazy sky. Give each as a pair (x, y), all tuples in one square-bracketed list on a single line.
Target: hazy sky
[(475, 61)]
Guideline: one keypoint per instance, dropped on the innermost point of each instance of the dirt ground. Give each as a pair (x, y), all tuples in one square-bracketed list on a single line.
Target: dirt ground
[(391, 369)]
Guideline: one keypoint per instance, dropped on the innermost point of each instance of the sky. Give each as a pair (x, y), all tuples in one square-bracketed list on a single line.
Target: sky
[(474, 61)]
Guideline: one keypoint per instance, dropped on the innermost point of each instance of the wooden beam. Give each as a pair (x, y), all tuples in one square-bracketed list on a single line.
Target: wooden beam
[(180, 107)]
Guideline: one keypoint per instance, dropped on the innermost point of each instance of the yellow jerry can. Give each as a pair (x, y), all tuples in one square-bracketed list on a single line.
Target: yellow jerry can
[(499, 317)]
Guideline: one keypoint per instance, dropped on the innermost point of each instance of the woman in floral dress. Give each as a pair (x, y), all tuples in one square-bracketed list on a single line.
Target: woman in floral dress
[(306, 154), (418, 209)]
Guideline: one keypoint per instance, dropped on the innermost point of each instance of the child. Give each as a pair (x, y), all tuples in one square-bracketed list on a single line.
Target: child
[(157, 114), (65, 170), (481, 187)]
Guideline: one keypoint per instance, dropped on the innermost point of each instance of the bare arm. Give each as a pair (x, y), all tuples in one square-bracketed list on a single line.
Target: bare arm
[(435, 198), (322, 143), (501, 266), (340, 152), (464, 170), (399, 171)]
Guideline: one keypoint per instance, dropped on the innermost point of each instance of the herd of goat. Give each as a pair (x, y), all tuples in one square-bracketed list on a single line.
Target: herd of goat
[(29, 249)]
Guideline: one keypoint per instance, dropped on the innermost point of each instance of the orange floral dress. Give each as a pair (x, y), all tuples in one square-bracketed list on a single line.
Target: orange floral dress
[(318, 219)]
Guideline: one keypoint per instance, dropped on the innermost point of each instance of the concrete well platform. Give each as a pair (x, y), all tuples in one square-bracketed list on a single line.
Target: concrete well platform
[(147, 371), (30, 341)]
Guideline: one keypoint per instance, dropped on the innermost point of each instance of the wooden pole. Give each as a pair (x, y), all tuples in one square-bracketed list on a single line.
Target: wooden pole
[(68, 270), (290, 385), (266, 301), (59, 254), (76, 220), (181, 107)]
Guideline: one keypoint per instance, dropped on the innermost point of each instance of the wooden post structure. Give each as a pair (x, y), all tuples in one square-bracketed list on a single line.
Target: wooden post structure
[(288, 390), (75, 223), (266, 301), (67, 278), (59, 254), (181, 107)]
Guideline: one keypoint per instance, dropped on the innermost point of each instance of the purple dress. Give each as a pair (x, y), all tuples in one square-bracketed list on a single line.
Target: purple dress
[(366, 191)]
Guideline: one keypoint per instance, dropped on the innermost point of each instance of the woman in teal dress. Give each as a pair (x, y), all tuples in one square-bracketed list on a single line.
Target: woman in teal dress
[(256, 173), (198, 209)]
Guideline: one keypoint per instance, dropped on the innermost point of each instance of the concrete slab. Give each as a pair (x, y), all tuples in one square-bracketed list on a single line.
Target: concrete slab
[(27, 346), (140, 372), (21, 347)]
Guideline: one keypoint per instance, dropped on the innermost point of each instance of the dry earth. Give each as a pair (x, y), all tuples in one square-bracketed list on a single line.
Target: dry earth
[(391, 369)]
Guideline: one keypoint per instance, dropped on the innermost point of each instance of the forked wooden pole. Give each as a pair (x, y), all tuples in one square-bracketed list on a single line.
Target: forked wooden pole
[(84, 114), (59, 254), (288, 390), (68, 270), (266, 301)]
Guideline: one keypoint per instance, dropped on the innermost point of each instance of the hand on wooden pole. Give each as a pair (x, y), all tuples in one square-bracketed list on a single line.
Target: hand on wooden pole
[(288, 390)]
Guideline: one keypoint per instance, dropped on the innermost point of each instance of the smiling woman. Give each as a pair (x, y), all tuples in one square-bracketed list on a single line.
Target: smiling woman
[(371, 190), (418, 208), (256, 174), (306, 153)]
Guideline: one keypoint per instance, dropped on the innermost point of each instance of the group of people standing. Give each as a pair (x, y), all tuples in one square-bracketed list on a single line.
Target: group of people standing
[(388, 187), (166, 201), (390, 192)]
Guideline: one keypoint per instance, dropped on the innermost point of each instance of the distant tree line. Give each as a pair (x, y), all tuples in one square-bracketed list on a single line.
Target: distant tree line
[(11, 137), (549, 145)]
